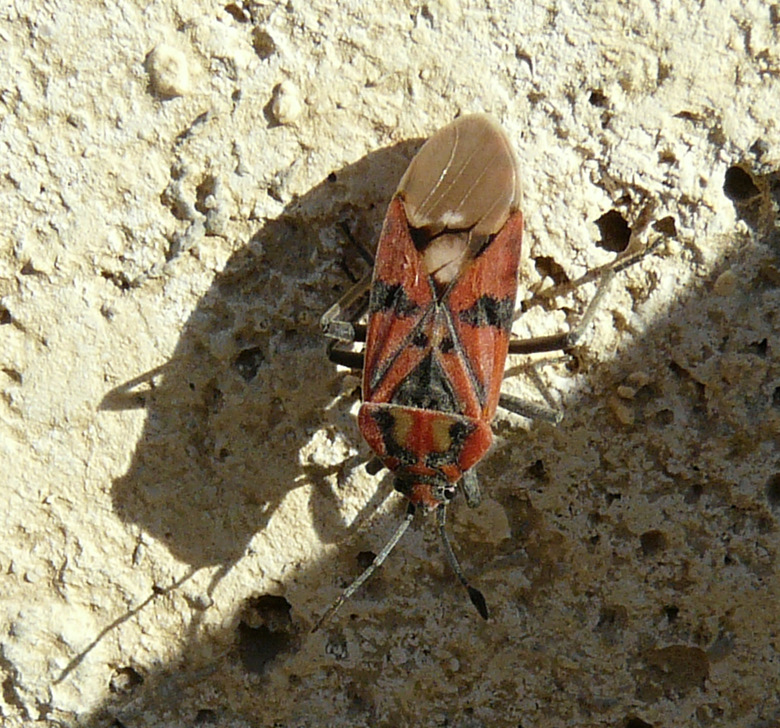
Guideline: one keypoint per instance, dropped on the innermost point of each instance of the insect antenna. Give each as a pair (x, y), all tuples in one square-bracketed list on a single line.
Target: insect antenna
[(474, 594), (375, 564)]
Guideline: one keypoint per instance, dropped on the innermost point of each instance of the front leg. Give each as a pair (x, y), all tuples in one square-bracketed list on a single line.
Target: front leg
[(337, 323)]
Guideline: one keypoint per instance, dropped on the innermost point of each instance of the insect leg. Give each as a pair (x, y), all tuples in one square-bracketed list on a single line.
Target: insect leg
[(365, 253), (556, 342), (561, 342), (474, 594), (471, 488), (341, 327), (344, 358), (375, 564), (335, 323), (532, 410)]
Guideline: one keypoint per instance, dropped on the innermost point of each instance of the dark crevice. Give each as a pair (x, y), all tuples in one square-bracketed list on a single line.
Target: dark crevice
[(773, 490), (547, 267), (739, 186), (615, 232), (264, 632), (237, 12)]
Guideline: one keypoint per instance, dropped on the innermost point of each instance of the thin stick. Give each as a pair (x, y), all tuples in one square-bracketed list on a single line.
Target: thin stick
[(474, 594), (375, 564)]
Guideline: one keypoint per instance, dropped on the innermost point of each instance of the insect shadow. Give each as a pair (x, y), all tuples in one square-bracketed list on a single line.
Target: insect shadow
[(246, 387)]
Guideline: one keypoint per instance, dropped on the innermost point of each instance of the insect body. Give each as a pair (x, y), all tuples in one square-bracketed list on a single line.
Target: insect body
[(440, 310), (441, 306)]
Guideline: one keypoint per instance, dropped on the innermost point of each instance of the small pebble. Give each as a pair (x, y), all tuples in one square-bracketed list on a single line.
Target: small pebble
[(624, 414), (168, 71), (638, 379), (726, 284), (286, 105)]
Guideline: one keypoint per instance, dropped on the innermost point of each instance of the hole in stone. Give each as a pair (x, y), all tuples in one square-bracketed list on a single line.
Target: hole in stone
[(248, 362), (116, 279), (274, 611), (237, 12), (597, 98), (694, 493), (537, 471), (264, 631), (653, 542), (635, 722), (523, 57), (426, 13), (666, 226), (365, 559), (739, 186), (204, 190), (374, 465), (671, 613), (263, 44), (259, 646), (206, 716), (759, 348), (615, 232), (9, 691), (546, 266), (773, 490), (212, 396), (125, 680), (688, 116)]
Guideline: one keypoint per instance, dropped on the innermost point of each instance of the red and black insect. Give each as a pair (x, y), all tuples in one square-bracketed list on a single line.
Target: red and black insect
[(440, 312)]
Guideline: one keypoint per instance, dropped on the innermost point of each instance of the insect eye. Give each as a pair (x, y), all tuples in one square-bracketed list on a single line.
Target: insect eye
[(420, 340), (447, 345)]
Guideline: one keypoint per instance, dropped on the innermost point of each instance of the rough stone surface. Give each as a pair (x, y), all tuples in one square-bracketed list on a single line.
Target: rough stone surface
[(182, 475)]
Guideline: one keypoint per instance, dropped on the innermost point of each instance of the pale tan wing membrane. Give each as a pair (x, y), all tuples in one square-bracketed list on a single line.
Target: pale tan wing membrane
[(463, 181), (465, 177)]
